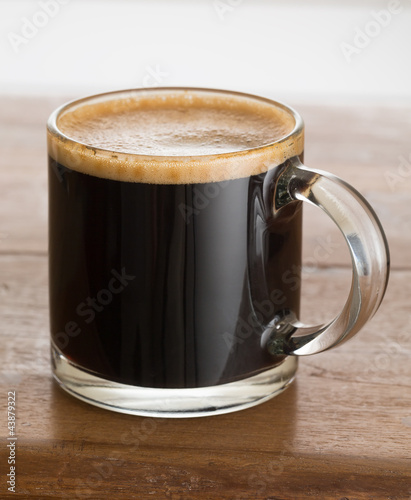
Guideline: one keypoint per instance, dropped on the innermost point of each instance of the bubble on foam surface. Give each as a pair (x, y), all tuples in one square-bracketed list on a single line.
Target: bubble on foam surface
[(175, 132)]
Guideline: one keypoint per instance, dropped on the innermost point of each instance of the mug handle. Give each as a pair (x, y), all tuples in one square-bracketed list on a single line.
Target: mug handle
[(369, 254)]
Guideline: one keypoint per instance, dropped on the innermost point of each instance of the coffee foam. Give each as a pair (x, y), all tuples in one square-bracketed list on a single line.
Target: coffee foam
[(173, 136)]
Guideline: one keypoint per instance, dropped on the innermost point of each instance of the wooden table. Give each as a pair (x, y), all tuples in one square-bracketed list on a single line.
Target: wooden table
[(341, 430)]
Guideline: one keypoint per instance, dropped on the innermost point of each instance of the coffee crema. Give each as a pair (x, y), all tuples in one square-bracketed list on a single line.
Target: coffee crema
[(174, 137)]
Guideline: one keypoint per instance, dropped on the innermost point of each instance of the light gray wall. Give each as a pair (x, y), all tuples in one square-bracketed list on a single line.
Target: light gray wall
[(289, 50)]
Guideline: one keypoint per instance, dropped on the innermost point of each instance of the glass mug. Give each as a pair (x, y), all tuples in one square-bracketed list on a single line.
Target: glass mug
[(175, 221)]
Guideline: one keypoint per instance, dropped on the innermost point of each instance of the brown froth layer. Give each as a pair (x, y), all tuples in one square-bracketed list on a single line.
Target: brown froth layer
[(173, 136)]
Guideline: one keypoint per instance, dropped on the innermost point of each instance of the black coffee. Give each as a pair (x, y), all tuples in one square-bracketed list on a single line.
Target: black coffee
[(163, 284)]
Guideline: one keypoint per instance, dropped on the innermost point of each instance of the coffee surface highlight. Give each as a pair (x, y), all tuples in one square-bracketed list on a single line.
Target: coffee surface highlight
[(173, 137)]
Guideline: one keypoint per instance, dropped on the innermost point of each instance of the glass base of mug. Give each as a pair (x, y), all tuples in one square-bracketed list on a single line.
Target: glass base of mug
[(174, 403)]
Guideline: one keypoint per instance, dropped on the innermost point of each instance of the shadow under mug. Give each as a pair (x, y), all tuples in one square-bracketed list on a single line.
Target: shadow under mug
[(175, 281)]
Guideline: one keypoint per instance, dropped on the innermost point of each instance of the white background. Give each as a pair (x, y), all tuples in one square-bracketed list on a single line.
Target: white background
[(287, 50)]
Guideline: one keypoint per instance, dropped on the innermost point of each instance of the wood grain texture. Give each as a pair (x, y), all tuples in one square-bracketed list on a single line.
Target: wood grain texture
[(342, 429)]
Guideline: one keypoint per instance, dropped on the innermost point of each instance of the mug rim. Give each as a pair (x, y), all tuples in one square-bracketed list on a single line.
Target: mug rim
[(55, 131)]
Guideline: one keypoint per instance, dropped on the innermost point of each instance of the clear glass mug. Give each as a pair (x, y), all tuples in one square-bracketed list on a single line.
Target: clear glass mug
[(168, 294)]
